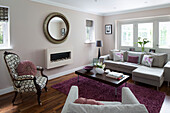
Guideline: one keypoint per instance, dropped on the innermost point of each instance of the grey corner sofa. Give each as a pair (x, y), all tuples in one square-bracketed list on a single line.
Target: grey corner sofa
[(129, 104), (155, 75)]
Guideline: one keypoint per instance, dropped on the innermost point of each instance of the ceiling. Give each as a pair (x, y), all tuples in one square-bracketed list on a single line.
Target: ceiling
[(108, 7)]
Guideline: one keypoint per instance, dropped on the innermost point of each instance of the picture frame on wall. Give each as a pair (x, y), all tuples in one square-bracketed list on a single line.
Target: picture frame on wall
[(108, 29)]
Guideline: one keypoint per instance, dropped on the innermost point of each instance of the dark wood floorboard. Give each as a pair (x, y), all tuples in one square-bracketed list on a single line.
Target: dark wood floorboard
[(54, 100)]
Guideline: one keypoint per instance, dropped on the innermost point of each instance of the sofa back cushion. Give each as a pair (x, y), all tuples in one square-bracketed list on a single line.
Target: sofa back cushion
[(139, 54), (133, 59), (159, 59), (120, 108), (111, 53)]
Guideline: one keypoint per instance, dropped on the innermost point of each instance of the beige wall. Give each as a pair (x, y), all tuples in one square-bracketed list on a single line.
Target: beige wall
[(109, 40), (29, 42)]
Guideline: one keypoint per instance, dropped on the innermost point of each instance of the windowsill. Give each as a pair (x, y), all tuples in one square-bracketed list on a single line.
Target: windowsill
[(89, 42), (6, 48)]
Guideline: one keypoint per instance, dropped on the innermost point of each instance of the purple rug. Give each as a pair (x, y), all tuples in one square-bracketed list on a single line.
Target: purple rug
[(92, 89)]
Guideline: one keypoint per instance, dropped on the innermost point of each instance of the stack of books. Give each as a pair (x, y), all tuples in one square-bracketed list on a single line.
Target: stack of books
[(115, 75)]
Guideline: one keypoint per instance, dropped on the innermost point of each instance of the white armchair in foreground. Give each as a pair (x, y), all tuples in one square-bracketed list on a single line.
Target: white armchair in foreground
[(129, 104)]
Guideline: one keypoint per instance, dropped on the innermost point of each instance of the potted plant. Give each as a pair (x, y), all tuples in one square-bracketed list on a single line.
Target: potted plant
[(142, 43), (99, 67)]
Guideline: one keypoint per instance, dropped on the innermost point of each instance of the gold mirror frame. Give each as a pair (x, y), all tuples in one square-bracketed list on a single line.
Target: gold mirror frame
[(46, 30)]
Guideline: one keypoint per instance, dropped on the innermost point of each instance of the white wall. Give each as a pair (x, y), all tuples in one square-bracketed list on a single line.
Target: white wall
[(29, 42)]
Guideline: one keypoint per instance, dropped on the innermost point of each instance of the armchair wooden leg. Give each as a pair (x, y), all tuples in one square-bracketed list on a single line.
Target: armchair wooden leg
[(46, 88), (38, 97), (14, 97)]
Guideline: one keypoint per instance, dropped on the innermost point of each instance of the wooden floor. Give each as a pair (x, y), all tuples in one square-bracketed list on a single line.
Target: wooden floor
[(53, 100)]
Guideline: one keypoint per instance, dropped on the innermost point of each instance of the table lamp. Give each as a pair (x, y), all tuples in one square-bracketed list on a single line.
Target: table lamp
[(99, 44)]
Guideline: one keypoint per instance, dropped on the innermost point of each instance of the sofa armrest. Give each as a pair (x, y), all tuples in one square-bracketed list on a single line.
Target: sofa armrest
[(104, 57), (72, 96), (128, 97), (167, 71)]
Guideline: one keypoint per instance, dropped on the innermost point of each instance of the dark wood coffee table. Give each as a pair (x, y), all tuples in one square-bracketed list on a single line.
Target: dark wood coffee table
[(103, 78)]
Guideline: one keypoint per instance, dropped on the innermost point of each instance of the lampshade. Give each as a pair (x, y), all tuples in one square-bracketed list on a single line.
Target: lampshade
[(99, 43)]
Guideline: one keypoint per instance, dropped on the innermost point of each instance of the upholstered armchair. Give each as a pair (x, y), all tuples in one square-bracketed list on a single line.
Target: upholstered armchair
[(25, 83), (129, 104)]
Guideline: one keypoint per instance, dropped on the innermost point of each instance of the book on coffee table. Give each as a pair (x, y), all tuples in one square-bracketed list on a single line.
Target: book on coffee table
[(115, 75)]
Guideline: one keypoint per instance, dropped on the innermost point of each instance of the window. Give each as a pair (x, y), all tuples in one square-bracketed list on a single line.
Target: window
[(4, 28), (90, 36), (145, 30), (164, 34), (127, 35)]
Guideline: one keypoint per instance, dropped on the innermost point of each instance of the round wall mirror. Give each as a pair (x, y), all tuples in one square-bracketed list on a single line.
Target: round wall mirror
[(56, 28)]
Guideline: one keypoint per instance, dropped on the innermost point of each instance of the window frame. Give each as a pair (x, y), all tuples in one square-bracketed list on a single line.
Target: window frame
[(155, 20), (90, 40), (7, 40), (158, 34), (152, 32), (121, 35)]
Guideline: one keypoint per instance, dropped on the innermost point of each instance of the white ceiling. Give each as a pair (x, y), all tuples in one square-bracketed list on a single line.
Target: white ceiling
[(107, 7)]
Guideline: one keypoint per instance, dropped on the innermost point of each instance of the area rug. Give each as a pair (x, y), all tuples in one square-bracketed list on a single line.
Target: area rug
[(92, 89)]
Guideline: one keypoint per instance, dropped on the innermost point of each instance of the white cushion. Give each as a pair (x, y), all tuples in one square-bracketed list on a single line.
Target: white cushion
[(123, 108), (118, 56), (111, 53)]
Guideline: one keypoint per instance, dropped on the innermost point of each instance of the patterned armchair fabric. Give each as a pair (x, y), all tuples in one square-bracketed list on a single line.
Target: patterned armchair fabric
[(24, 83)]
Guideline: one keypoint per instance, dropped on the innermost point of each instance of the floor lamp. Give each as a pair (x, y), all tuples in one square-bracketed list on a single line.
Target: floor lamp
[(99, 44)]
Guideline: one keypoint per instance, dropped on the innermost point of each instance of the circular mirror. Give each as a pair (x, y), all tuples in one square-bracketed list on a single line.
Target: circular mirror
[(56, 28)]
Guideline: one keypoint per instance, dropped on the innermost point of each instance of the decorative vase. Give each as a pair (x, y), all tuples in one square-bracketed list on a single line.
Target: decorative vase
[(143, 49), (99, 70)]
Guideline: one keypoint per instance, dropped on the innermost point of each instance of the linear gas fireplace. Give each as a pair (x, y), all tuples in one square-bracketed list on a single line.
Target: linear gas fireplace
[(58, 57)]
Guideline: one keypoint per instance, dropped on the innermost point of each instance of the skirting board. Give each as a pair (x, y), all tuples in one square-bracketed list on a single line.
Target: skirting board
[(6, 90), (10, 89), (65, 72)]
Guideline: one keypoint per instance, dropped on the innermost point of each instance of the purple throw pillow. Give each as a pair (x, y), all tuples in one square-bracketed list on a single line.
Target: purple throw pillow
[(133, 59), (26, 68)]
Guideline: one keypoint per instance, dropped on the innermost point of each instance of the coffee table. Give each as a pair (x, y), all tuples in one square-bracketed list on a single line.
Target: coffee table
[(102, 78)]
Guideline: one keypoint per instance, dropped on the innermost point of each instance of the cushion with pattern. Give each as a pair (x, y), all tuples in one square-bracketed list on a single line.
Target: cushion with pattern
[(147, 60)]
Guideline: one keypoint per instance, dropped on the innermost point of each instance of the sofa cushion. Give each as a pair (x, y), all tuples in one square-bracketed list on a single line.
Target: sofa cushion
[(82, 100), (111, 52), (139, 54), (118, 56), (159, 59), (123, 108), (133, 59), (125, 55), (147, 60), (127, 65), (152, 73)]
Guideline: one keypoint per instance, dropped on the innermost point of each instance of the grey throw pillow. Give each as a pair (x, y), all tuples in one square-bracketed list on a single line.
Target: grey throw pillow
[(159, 59)]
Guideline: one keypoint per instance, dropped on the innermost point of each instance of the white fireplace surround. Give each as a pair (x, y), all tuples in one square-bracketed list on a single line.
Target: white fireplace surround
[(51, 63)]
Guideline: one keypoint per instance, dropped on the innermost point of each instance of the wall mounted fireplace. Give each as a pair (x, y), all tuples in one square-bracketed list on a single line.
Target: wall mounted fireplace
[(56, 57)]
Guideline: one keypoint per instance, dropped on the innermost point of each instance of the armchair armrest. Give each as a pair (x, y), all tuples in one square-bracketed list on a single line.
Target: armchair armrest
[(39, 68), (24, 77), (72, 96), (128, 97), (167, 71), (103, 58)]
